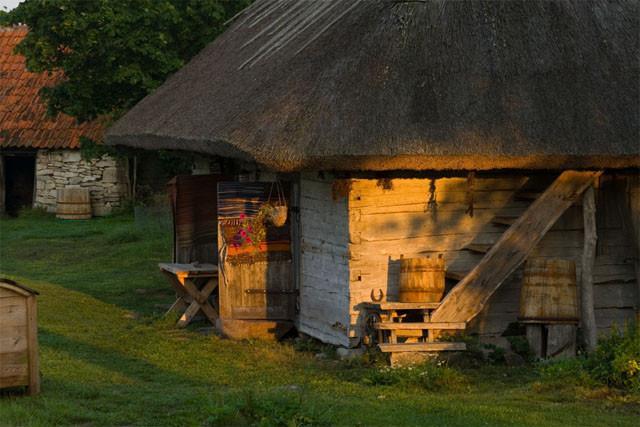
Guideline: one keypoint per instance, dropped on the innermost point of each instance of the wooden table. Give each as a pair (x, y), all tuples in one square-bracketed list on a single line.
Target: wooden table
[(194, 284)]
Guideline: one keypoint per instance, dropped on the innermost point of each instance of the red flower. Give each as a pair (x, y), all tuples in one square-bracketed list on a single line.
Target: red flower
[(242, 216), (243, 233)]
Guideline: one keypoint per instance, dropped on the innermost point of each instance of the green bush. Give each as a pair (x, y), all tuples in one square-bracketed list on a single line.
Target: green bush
[(429, 376), (520, 345), (616, 361), (281, 410)]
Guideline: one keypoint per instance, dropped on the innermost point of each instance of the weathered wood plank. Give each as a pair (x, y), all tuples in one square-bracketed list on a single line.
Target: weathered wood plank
[(32, 338), (13, 338), (420, 325), (408, 305), (588, 317), (466, 300), (422, 346), (13, 311), (324, 283)]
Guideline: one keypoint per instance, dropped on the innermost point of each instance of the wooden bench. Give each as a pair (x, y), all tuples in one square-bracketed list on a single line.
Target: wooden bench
[(194, 284)]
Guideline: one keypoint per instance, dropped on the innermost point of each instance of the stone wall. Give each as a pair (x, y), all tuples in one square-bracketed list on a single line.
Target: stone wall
[(106, 179)]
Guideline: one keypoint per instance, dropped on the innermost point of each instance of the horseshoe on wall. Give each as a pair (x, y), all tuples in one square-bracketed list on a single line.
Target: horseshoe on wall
[(380, 296)]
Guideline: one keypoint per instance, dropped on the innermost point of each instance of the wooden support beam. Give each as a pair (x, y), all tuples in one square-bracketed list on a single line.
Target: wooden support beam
[(470, 295), (586, 281)]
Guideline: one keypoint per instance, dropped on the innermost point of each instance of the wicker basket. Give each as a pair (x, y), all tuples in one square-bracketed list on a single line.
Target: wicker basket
[(278, 215)]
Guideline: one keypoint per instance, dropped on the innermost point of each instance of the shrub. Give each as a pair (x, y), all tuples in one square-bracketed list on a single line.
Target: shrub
[(520, 346), (250, 409), (616, 361), (429, 376)]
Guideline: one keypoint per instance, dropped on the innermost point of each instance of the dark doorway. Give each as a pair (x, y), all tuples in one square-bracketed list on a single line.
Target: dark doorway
[(19, 173)]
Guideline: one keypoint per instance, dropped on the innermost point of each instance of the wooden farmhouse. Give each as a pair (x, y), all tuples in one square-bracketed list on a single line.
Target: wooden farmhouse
[(40, 154), (482, 135)]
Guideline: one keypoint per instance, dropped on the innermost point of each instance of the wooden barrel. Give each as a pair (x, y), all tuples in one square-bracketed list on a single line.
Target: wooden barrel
[(421, 279), (549, 291), (73, 203)]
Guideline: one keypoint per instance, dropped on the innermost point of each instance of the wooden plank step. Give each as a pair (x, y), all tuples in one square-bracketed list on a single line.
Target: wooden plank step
[(420, 325), (455, 275), (421, 346), (409, 305), (527, 195), (504, 220), (481, 248)]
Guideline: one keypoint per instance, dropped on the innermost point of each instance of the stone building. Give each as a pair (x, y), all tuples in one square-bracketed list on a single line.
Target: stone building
[(40, 154)]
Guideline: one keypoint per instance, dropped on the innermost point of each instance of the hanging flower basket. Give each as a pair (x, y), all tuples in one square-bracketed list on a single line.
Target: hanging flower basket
[(277, 212), (278, 215)]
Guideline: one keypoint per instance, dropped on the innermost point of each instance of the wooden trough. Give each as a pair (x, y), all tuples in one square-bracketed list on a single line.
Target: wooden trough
[(19, 364)]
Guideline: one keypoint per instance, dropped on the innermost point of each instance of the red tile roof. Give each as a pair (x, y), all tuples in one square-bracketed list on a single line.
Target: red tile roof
[(24, 122)]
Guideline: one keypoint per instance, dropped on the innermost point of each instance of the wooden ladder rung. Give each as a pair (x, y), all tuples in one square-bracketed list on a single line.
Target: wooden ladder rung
[(456, 275), (480, 248), (527, 195), (422, 346), (409, 305), (420, 325), (504, 220)]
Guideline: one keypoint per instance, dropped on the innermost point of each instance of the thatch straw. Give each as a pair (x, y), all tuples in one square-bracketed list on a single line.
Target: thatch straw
[(382, 84)]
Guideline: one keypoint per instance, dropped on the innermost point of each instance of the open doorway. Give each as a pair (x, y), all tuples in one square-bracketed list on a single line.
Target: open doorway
[(19, 176)]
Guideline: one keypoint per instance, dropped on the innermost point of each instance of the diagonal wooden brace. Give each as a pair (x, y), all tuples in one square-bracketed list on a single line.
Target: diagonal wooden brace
[(470, 295), (200, 301)]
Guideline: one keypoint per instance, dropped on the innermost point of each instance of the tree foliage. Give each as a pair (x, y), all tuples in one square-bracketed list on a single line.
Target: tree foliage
[(114, 52)]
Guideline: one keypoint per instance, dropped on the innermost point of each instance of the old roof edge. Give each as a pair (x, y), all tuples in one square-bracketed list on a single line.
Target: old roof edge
[(17, 287), (383, 163), (154, 142)]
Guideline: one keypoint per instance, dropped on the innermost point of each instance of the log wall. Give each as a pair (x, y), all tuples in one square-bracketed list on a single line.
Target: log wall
[(324, 265), (405, 217)]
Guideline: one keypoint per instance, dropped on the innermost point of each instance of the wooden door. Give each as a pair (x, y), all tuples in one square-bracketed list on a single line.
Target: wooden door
[(255, 265), (194, 210)]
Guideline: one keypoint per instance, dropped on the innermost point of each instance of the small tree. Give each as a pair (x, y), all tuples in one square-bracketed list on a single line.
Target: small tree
[(114, 52)]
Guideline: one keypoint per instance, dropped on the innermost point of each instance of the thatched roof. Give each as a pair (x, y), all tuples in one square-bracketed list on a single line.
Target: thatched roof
[(392, 84)]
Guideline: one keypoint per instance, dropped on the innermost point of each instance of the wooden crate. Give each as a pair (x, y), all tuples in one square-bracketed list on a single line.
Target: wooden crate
[(19, 365)]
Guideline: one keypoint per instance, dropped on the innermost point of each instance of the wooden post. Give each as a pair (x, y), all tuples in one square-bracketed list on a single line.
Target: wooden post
[(588, 259), (630, 213)]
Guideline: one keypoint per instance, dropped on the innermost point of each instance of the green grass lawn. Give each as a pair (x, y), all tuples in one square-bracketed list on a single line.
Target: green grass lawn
[(109, 358)]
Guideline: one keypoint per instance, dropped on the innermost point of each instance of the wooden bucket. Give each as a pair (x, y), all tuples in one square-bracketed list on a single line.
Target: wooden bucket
[(421, 279), (549, 291), (73, 203)]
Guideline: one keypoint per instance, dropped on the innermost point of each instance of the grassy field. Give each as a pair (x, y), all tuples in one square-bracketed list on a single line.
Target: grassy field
[(109, 358)]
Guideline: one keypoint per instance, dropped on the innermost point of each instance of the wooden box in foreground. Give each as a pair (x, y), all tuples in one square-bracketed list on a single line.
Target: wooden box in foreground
[(19, 365)]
